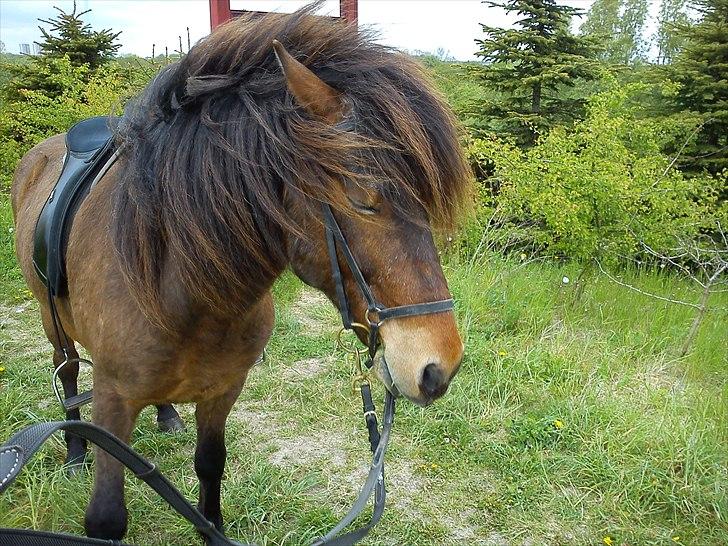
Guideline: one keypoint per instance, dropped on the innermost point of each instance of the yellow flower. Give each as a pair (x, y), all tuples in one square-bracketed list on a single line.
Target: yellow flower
[(502, 353), (559, 424), (2, 369), (676, 538), (608, 540)]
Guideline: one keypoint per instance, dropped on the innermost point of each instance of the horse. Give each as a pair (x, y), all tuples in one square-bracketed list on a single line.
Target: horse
[(225, 160)]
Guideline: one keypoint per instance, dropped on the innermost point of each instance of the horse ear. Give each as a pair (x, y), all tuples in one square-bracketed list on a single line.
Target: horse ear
[(311, 92)]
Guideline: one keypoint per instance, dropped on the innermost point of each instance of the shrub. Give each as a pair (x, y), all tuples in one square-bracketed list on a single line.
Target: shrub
[(36, 115), (596, 189)]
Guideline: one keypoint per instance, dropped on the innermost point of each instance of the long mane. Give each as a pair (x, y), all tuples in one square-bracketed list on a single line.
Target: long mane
[(215, 141)]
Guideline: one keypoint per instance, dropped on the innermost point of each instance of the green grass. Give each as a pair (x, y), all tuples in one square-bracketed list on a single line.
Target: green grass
[(569, 422)]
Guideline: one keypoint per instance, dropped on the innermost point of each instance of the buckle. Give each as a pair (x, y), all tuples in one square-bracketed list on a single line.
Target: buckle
[(372, 317)]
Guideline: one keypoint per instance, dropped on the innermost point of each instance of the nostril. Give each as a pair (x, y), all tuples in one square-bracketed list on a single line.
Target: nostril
[(433, 383)]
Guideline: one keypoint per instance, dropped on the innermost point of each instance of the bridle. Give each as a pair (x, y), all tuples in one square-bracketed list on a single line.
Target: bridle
[(376, 314)]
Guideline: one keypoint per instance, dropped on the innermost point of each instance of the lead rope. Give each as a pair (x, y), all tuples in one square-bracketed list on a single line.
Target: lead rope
[(15, 453)]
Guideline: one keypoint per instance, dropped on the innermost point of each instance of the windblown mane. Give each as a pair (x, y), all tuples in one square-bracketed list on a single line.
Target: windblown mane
[(215, 140)]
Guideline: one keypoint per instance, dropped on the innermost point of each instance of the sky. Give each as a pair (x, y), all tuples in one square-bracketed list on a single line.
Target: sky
[(412, 25)]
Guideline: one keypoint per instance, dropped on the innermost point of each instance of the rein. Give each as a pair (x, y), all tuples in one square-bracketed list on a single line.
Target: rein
[(15, 453), (376, 314)]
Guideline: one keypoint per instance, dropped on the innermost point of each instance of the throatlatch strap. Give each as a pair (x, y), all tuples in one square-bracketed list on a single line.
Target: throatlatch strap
[(336, 270), (361, 282)]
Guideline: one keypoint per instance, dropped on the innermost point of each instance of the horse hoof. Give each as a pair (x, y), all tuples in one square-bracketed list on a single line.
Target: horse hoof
[(173, 424), (105, 521)]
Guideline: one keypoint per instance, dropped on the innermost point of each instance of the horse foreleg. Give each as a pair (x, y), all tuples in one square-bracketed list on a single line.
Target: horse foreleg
[(168, 420), (210, 452), (76, 446), (106, 514)]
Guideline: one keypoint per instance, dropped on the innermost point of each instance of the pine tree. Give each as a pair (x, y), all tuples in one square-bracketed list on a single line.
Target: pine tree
[(702, 70), (532, 64), (70, 36)]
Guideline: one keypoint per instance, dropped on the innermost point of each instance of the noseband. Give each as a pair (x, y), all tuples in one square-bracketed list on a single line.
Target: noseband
[(376, 312)]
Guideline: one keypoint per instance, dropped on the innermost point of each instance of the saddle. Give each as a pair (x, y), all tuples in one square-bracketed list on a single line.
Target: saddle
[(89, 145)]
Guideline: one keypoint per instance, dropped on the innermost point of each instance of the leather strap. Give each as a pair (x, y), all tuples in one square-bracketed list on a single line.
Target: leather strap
[(376, 312), (374, 481), (16, 452), (25, 443)]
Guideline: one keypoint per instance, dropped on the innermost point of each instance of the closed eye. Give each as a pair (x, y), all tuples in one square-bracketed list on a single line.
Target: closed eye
[(363, 208)]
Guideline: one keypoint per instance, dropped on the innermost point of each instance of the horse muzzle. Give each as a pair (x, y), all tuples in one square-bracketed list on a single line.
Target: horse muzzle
[(432, 385), (381, 371)]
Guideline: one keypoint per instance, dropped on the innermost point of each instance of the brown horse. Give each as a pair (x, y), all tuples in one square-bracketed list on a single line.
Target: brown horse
[(227, 157)]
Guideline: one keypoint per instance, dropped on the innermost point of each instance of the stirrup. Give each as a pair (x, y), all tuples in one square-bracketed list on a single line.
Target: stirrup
[(72, 402)]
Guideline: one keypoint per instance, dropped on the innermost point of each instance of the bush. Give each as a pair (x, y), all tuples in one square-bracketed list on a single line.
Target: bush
[(598, 188), (35, 115)]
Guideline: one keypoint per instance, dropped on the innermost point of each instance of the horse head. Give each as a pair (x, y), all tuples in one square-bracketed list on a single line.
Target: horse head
[(390, 240)]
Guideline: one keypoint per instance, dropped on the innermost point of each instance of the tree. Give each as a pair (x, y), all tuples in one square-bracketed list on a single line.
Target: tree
[(531, 66), (670, 41), (702, 70), (619, 25), (602, 22), (76, 40), (85, 49)]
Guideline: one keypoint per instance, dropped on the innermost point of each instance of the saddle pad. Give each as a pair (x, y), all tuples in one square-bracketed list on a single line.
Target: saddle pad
[(89, 144)]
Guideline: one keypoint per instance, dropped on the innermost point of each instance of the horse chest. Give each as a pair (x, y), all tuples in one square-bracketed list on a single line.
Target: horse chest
[(209, 360)]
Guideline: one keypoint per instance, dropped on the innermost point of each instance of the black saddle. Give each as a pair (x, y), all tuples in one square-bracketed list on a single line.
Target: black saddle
[(89, 144)]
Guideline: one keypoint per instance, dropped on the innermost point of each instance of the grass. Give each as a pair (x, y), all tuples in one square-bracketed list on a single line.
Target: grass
[(570, 422)]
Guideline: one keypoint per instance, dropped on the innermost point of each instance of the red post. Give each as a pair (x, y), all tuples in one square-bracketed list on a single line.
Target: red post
[(349, 11), (219, 12)]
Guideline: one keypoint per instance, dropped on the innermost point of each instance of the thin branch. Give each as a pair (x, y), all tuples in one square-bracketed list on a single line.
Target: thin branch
[(679, 153), (671, 261), (718, 273), (634, 288)]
